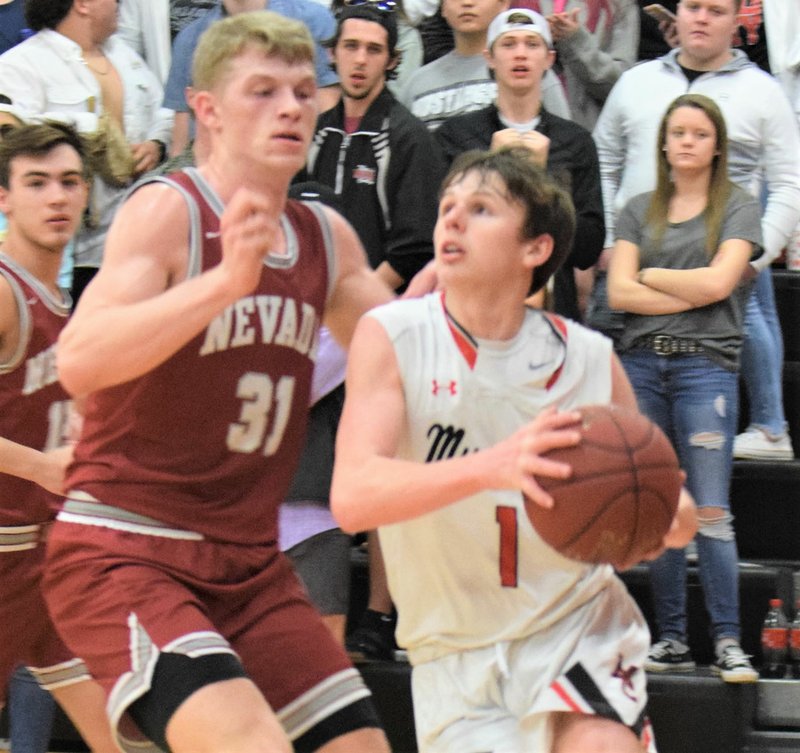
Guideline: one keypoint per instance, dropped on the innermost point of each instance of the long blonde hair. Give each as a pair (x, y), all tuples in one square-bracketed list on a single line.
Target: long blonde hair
[(720, 186)]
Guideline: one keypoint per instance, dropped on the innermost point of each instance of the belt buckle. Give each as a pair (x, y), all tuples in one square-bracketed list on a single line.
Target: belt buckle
[(662, 345)]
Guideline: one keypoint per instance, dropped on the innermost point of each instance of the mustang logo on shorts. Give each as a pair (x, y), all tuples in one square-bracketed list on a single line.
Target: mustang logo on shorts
[(625, 675)]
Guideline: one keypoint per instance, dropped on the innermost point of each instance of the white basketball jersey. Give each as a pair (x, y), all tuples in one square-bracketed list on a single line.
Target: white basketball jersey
[(475, 572)]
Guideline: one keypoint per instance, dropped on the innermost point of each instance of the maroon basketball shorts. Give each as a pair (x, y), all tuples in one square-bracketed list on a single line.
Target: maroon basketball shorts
[(123, 598), (28, 634)]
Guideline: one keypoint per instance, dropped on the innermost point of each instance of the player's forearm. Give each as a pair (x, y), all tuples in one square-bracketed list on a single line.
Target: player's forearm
[(382, 491), (18, 460), (107, 345)]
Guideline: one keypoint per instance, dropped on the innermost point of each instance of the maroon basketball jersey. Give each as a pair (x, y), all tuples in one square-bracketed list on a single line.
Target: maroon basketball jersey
[(208, 441), (34, 408)]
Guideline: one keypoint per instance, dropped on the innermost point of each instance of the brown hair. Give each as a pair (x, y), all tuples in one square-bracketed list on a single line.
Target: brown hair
[(36, 140), (548, 207)]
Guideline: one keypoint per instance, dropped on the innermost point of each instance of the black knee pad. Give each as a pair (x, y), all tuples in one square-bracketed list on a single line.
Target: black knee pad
[(357, 715), (175, 678)]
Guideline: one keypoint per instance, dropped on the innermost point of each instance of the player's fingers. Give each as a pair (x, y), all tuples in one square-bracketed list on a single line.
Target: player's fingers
[(544, 467), (541, 439), (653, 554), (535, 493), (243, 205), (555, 419)]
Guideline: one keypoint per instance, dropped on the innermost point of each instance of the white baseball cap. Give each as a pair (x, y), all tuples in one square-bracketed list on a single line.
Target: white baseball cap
[(518, 19), (11, 110)]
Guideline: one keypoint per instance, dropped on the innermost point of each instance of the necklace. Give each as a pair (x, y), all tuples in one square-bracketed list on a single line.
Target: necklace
[(97, 70)]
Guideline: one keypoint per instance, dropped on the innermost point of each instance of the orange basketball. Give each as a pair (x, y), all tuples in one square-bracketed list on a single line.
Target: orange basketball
[(623, 492)]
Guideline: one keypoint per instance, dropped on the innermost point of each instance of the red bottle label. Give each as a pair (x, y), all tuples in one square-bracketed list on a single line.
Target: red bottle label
[(775, 638)]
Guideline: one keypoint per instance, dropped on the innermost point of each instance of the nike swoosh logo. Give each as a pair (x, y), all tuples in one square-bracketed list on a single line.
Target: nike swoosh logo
[(211, 235)]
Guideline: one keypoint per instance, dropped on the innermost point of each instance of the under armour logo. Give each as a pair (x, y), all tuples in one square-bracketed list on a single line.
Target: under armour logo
[(626, 676), (450, 387)]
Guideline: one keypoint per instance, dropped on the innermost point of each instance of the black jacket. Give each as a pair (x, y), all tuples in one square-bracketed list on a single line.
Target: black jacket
[(387, 174), (571, 160)]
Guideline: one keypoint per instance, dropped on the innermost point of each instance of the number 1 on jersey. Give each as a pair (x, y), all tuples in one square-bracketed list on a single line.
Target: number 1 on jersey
[(507, 520)]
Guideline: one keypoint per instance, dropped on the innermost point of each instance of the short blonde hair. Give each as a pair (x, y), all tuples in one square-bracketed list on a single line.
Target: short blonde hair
[(273, 34)]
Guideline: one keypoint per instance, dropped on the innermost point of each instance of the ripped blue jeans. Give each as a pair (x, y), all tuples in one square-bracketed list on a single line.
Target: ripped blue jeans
[(695, 402)]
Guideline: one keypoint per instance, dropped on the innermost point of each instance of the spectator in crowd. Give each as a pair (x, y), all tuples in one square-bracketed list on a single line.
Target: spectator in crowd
[(318, 19), (385, 168), (459, 81), (43, 193), (677, 269), (498, 642), (595, 41), (75, 70), (409, 41), (762, 136), (144, 26), (380, 160), (519, 52)]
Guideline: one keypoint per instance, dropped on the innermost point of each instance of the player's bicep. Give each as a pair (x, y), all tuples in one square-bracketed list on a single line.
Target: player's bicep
[(374, 411), (142, 257)]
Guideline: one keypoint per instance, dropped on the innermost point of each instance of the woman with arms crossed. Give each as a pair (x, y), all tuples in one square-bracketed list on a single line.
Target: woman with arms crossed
[(677, 269)]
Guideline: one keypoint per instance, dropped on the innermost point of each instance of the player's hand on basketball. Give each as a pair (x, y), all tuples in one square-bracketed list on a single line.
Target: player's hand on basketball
[(249, 228), (680, 533), (549, 430), (53, 468)]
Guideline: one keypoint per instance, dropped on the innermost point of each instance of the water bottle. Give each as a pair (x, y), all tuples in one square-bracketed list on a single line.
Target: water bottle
[(794, 642), (775, 641)]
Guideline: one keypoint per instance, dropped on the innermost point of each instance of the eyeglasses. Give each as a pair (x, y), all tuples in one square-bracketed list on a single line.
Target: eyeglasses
[(387, 6)]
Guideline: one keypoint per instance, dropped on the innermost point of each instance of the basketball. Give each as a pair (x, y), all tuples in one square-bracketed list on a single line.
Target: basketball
[(623, 492)]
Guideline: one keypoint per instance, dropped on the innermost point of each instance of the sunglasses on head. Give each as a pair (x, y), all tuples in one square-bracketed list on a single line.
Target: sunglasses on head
[(387, 6)]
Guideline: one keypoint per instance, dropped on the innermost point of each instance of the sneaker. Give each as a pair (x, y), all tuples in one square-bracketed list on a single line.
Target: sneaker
[(733, 665), (755, 444), (373, 639), (669, 655)]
